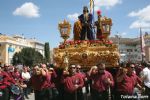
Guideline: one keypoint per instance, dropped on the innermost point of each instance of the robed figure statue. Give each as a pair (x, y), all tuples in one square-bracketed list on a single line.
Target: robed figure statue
[(86, 23), (99, 27)]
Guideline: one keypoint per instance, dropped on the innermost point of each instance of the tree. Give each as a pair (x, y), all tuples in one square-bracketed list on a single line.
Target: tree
[(17, 59), (47, 52), (28, 57)]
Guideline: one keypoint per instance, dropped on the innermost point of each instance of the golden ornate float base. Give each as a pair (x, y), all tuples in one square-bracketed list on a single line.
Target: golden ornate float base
[(87, 53)]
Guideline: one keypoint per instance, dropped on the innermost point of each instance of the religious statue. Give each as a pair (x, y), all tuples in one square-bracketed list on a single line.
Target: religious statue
[(77, 27), (86, 22), (98, 25)]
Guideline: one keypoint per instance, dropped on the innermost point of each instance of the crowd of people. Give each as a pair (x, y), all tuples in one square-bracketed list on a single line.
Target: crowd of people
[(51, 82)]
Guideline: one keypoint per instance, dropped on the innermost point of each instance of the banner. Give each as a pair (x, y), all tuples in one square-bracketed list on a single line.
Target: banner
[(11, 49)]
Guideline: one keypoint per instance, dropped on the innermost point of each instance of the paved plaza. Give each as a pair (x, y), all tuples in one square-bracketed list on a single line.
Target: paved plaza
[(31, 97)]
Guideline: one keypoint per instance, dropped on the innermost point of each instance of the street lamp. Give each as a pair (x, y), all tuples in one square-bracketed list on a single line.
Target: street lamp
[(64, 29)]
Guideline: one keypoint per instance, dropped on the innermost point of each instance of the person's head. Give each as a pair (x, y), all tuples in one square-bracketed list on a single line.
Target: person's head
[(25, 69), (43, 66), (85, 9), (36, 70), (130, 68), (94, 69), (101, 67), (72, 69), (6, 67), (78, 67), (28, 68), (16, 69)]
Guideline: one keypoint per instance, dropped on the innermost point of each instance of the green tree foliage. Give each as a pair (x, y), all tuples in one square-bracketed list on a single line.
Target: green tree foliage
[(28, 57), (47, 52)]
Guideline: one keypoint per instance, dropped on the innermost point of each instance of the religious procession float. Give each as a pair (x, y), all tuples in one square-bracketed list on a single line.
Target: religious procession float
[(84, 49)]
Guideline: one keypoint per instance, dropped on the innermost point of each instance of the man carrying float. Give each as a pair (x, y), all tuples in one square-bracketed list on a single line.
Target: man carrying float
[(73, 84)]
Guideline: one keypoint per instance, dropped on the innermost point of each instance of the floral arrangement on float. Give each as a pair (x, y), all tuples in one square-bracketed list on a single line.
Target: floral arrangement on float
[(90, 43)]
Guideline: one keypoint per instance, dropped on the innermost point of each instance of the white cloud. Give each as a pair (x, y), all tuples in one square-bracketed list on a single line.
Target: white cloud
[(106, 3), (143, 14), (28, 9), (73, 17), (138, 24), (123, 33), (143, 17)]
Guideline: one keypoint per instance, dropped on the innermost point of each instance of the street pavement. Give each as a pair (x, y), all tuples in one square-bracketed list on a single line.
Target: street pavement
[(31, 97)]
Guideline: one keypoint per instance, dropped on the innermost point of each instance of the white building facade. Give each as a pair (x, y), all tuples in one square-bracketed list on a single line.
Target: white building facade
[(9, 45), (130, 48)]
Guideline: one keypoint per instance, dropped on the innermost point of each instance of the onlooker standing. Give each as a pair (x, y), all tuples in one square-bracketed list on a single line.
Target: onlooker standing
[(4, 85), (17, 74), (145, 75), (8, 70), (26, 77)]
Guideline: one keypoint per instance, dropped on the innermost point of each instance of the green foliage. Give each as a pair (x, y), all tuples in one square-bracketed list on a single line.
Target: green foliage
[(47, 52), (28, 57)]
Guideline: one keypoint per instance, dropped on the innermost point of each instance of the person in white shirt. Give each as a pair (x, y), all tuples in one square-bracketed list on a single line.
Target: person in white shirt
[(145, 75), (26, 77)]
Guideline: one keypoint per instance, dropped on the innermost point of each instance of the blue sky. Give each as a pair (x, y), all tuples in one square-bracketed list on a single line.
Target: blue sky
[(39, 18)]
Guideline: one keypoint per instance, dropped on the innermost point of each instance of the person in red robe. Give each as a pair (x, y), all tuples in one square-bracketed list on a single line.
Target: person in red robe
[(73, 84), (40, 83), (102, 82)]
